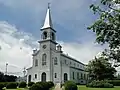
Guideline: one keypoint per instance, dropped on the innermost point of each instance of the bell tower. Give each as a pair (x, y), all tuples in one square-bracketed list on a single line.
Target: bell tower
[(48, 33), (47, 46)]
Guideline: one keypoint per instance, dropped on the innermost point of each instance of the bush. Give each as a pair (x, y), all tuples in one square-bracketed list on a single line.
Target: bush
[(1, 86), (11, 85), (100, 84), (114, 82), (36, 87), (30, 84), (70, 85), (45, 85), (22, 85), (3, 83), (50, 84)]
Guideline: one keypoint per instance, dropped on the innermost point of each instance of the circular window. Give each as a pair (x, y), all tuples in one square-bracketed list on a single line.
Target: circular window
[(44, 46)]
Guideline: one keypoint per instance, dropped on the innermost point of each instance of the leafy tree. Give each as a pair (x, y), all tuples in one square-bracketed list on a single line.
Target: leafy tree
[(100, 69), (2, 77), (7, 78), (107, 27)]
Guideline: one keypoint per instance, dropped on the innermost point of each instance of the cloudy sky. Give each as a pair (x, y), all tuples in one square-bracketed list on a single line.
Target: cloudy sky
[(20, 23)]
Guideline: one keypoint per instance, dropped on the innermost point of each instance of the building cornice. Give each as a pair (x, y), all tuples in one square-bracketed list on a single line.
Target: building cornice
[(47, 40), (72, 58), (77, 68)]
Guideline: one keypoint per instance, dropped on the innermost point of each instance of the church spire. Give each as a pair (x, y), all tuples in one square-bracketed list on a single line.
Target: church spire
[(48, 20)]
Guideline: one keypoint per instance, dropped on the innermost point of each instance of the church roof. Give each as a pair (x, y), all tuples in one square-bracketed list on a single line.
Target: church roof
[(48, 20)]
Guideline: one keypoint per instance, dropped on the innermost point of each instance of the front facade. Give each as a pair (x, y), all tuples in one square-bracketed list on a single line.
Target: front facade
[(50, 63)]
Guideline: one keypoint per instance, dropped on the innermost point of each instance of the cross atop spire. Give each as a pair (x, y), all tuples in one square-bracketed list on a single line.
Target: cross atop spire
[(48, 20), (49, 5)]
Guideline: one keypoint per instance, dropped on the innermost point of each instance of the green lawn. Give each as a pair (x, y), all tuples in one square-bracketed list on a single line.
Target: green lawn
[(81, 87), (85, 88), (18, 89)]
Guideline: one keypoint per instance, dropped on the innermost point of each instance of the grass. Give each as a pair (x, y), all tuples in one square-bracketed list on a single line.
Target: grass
[(18, 89), (82, 87)]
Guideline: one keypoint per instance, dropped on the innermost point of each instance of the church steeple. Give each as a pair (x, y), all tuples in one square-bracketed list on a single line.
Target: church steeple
[(48, 33), (48, 20)]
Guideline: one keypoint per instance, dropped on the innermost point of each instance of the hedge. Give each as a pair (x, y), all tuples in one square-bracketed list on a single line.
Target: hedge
[(1, 86), (50, 84), (42, 86), (36, 87), (114, 82), (22, 84), (70, 85), (11, 85), (30, 84), (100, 84)]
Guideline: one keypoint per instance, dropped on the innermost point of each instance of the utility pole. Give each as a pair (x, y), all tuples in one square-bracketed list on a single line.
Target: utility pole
[(6, 68)]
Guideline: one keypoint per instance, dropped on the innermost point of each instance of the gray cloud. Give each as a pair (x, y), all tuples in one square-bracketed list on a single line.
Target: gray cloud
[(18, 58)]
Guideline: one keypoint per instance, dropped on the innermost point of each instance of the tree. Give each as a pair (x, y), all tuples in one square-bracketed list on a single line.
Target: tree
[(7, 78), (107, 27), (2, 77), (100, 69)]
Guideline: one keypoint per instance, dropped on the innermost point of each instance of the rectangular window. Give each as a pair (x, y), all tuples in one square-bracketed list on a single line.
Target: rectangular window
[(35, 76), (55, 61), (36, 62)]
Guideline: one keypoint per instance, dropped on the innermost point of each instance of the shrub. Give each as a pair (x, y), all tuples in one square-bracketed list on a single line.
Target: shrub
[(11, 85), (22, 85), (30, 84), (114, 82), (70, 85), (3, 83), (50, 84), (100, 84), (45, 85), (1, 86), (108, 85), (36, 87)]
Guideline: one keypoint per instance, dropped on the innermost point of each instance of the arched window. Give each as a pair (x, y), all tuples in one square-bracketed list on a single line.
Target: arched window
[(84, 76), (44, 35), (36, 62), (78, 75), (73, 76), (55, 75), (35, 76), (44, 57), (53, 36), (81, 76), (55, 61)]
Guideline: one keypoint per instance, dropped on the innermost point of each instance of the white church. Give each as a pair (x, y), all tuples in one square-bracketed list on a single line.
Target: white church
[(50, 63)]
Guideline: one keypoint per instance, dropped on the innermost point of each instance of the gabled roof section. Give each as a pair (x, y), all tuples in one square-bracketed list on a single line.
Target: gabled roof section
[(48, 20)]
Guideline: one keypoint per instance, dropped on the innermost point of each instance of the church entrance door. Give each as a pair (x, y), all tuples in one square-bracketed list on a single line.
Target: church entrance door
[(29, 78), (65, 77), (43, 77)]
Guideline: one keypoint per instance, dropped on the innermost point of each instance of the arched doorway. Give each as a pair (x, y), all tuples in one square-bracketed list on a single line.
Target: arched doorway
[(65, 77), (43, 77), (29, 78)]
